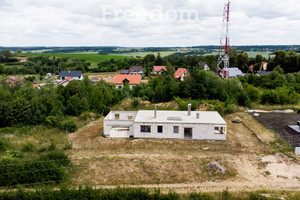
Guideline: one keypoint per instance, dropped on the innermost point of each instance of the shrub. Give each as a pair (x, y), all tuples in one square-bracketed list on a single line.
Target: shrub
[(3, 144), (49, 167), (67, 146), (69, 125), (135, 102), (85, 116), (28, 147), (53, 121), (184, 104), (252, 92), (52, 146), (58, 156), (269, 97)]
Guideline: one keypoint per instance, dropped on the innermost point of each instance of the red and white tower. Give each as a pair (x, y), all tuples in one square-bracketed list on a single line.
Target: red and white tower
[(223, 57)]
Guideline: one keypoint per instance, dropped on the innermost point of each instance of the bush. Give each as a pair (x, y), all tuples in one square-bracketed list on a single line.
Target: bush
[(58, 156), (85, 116), (252, 92), (270, 97), (69, 125), (28, 147), (49, 167), (3, 144), (183, 105), (135, 102), (30, 78), (53, 121)]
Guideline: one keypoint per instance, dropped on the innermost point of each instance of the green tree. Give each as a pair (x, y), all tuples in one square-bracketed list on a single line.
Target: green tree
[(159, 60), (76, 105), (243, 61)]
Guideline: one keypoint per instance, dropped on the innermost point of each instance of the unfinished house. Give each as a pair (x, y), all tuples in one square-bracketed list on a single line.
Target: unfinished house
[(161, 124)]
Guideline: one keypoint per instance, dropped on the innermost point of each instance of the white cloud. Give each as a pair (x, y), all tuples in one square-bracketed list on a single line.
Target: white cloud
[(146, 23)]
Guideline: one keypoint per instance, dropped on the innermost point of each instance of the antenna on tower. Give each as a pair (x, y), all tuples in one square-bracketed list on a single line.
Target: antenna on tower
[(223, 59)]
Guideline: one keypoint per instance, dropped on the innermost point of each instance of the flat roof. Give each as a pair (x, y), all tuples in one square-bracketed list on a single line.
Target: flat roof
[(166, 116)]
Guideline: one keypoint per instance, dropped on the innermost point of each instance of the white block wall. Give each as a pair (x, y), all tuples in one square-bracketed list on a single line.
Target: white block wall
[(200, 131)]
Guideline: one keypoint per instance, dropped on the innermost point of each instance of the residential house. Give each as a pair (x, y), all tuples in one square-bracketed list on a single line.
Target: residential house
[(264, 73), (263, 67), (234, 72), (204, 65), (157, 70), (74, 75), (192, 125), (181, 73), (137, 70), (134, 70), (132, 80)]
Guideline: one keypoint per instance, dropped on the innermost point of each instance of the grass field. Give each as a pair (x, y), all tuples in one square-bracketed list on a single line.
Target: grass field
[(87, 57), (251, 54), (143, 54)]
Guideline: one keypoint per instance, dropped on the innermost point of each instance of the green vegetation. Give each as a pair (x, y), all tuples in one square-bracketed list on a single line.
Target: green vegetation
[(139, 193), (25, 105), (86, 57)]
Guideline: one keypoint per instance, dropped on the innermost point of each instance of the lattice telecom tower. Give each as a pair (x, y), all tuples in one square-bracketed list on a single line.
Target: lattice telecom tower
[(223, 59)]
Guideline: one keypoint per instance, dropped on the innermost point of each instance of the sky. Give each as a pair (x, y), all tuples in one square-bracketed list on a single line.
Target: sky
[(145, 23)]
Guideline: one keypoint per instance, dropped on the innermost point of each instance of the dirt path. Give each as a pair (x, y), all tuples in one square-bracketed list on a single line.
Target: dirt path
[(182, 165)]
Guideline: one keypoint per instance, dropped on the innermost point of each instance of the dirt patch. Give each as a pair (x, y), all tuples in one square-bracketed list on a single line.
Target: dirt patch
[(279, 165), (182, 165), (107, 78)]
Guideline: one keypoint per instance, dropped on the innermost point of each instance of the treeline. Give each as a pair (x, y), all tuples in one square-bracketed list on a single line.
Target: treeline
[(24, 105), (139, 193), (288, 61), (49, 167), (276, 88)]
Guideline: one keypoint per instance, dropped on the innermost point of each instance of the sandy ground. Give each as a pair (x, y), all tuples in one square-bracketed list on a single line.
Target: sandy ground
[(180, 165)]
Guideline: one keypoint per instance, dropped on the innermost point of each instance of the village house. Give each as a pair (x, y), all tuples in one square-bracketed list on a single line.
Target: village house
[(263, 67), (157, 70), (203, 65), (134, 70), (74, 75), (181, 73), (131, 80), (235, 72), (162, 124)]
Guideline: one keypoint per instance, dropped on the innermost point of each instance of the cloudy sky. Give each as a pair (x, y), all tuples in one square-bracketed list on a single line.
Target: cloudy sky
[(136, 23)]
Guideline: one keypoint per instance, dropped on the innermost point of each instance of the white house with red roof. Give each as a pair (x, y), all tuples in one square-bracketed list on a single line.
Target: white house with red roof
[(132, 80), (157, 70), (181, 73)]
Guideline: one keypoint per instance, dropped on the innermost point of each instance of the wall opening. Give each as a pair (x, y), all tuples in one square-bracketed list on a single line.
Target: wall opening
[(188, 133)]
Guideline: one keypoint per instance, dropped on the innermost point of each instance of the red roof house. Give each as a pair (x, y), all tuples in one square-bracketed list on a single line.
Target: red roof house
[(181, 73), (158, 69), (132, 80)]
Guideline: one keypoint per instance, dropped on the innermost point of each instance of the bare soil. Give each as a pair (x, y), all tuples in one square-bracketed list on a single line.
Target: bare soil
[(183, 165), (278, 122)]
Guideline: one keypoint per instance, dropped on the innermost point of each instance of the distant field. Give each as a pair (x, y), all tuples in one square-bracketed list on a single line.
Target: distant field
[(251, 54), (88, 57), (143, 54)]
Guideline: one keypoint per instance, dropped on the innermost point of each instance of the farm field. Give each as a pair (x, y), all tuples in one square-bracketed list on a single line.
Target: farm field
[(250, 164), (251, 54), (88, 57), (143, 54)]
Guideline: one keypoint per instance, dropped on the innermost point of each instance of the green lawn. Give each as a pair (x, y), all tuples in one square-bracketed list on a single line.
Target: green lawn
[(87, 57)]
